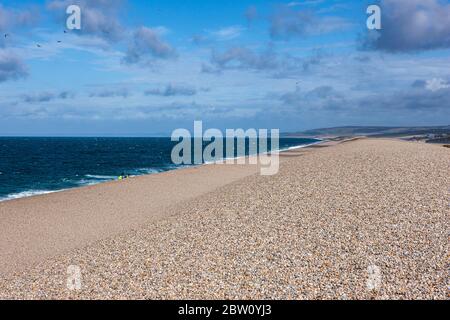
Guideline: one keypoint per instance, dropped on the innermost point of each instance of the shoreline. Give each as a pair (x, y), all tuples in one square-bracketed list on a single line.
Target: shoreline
[(37, 193)]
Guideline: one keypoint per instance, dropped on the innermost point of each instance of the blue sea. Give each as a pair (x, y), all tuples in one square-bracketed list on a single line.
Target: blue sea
[(31, 166)]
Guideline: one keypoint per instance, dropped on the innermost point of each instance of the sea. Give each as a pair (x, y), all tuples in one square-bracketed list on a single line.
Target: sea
[(37, 165)]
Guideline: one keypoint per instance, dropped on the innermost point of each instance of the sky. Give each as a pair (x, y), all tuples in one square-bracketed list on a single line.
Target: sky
[(146, 68)]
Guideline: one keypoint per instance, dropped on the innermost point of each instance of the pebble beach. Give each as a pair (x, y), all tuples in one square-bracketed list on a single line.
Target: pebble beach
[(364, 219)]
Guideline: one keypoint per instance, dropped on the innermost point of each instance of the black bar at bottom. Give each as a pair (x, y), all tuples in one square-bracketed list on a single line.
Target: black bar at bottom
[(234, 309)]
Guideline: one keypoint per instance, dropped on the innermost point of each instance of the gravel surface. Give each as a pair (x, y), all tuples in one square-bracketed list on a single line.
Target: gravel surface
[(366, 219)]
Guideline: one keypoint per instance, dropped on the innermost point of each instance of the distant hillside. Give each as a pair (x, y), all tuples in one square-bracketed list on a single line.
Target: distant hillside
[(371, 131)]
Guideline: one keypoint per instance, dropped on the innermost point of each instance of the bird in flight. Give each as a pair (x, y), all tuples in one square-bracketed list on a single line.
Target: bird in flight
[(38, 45), (6, 35)]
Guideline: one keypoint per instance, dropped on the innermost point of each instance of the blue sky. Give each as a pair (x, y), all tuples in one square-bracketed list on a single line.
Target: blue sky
[(149, 67)]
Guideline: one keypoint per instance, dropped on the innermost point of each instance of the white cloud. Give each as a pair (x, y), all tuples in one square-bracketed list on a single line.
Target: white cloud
[(228, 33), (147, 44), (11, 66), (436, 84)]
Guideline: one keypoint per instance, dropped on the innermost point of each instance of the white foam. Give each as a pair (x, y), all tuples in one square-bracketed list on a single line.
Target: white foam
[(99, 177), (24, 194), (302, 146), (148, 170)]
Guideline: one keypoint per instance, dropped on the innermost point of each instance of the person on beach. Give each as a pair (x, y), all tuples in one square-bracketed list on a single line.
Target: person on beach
[(123, 176)]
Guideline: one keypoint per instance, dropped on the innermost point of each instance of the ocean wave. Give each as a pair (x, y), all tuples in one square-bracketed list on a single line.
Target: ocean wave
[(142, 171), (25, 194), (100, 177), (301, 146), (88, 182)]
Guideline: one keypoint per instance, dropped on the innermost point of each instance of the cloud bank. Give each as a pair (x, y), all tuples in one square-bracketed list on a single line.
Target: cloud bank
[(173, 90), (286, 23)]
